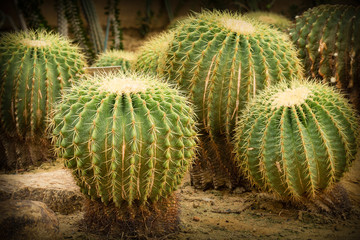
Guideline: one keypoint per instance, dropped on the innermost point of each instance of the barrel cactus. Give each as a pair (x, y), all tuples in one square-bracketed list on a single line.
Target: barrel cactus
[(150, 57), (222, 60), (35, 67), (328, 39), (129, 138), (115, 58), (273, 19), (297, 139)]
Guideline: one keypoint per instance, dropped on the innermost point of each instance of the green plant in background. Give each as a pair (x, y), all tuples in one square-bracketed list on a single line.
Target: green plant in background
[(62, 22), (35, 67), (222, 60), (129, 138), (328, 40), (115, 58), (275, 20), (150, 56), (113, 12), (297, 139), (32, 14), (145, 21), (76, 27), (95, 31)]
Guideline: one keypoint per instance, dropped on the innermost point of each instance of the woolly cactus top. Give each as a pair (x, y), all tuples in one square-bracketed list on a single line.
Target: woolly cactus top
[(115, 58), (297, 139), (273, 19)]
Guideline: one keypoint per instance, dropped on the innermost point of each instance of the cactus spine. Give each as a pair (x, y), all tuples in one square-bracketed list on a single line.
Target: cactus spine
[(115, 58), (275, 20), (129, 138), (150, 57), (297, 139), (222, 61), (35, 67), (329, 45)]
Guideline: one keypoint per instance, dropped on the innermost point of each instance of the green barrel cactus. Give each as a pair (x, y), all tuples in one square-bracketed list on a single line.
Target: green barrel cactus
[(222, 60), (35, 68), (115, 58), (297, 139), (150, 57), (328, 39), (273, 19), (129, 138)]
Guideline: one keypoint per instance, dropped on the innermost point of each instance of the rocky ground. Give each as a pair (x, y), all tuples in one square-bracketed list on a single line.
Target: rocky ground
[(211, 214)]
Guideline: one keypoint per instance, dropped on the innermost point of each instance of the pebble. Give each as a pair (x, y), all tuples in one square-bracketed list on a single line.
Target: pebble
[(196, 218)]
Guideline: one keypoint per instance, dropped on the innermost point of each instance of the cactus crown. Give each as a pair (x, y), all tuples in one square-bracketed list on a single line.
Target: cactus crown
[(115, 58), (297, 139), (150, 57), (128, 137), (35, 67), (273, 19)]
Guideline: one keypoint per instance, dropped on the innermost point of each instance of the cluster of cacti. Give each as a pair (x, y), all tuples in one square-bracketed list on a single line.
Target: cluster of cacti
[(150, 57), (35, 68), (128, 137), (223, 60), (275, 20), (297, 139), (115, 58), (329, 45)]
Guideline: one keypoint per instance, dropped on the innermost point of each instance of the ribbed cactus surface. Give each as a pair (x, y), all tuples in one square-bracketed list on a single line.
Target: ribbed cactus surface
[(116, 58), (150, 57), (273, 19), (35, 67), (129, 138), (222, 60), (297, 139), (328, 39)]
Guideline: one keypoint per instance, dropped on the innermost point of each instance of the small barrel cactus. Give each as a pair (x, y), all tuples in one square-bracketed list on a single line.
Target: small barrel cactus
[(150, 57), (273, 19), (297, 139), (222, 60), (115, 58), (328, 40), (128, 137), (35, 67)]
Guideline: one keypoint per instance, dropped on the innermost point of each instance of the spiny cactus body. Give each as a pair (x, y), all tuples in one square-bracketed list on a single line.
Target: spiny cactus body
[(35, 67), (115, 58), (222, 61), (275, 20), (298, 139), (150, 57), (129, 138), (328, 40)]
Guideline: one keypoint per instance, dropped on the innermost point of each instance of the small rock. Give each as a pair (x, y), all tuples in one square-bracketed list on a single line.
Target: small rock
[(196, 219), (24, 219), (300, 216), (196, 204), (239, 190)]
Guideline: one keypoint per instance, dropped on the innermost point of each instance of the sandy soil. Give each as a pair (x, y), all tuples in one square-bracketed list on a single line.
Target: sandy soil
[(243, 214)]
